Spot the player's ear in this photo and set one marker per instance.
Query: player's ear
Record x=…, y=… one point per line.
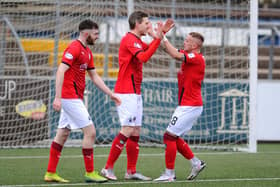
x=137, y=23
x=195, y=44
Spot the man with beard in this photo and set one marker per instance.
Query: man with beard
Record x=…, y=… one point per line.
x=70, y=86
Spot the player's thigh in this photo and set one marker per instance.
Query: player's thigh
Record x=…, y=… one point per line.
x=131, y=110
x=183, y=119
x=74, y=114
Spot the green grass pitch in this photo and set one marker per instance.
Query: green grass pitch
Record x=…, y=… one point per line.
x=26, y=167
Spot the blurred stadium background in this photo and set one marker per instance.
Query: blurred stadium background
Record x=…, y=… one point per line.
x=35, y=33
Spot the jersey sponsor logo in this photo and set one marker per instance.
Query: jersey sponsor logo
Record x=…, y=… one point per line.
x=83, y=67
x=137, y=45
x=191, y=55
x=68, y=56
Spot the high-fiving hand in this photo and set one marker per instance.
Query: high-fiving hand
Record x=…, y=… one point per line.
x=169, y=24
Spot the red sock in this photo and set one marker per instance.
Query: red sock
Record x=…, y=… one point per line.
x=116, y=149
x=132, y=151
x=184, y=149
x=170, y=150
x=88, y=159
x=55, y=152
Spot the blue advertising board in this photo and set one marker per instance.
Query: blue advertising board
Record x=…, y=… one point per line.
x=224, y=117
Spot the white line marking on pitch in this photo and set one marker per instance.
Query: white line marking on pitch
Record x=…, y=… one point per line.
x=144, y=182
x=72, y=156
x=122, y=155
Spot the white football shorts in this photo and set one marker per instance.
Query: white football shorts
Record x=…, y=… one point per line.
x=183, y=119
x=131, y=109
x=74, y=114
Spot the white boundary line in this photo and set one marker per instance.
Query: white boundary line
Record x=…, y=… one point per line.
x=74, y=156
x=144, y=182
x=9, y=157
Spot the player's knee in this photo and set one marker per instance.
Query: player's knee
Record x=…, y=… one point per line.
x=62, y=133
x=169, y=136
x=127, y=131
x=61, y=137
x=136, y=131
x=90, y=136
x=89, y=132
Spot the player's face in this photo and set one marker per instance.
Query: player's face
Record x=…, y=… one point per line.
x=143, y=27
x=189, y=44
x=92, y=36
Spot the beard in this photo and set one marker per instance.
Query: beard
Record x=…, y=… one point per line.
x=90, y=41
x=143, y=34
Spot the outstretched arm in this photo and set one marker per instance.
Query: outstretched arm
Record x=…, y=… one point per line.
x=171, y=50
x=160, y=31
x=144, y=56
x=96, y=79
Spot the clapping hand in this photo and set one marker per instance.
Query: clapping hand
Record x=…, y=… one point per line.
x=169, y=24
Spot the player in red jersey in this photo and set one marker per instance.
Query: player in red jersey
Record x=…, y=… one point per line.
x=133, y=52
x=70, y=86
x=190, y=103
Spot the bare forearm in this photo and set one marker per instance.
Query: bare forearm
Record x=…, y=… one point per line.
x=171, y=50
x=96, y=79
x=101, y=85
x=58, y=83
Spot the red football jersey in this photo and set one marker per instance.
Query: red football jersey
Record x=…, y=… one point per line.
x=190, y=78
x=80, y=59
x=130, y=68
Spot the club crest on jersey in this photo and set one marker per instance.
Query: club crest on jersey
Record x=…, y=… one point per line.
x=83, y=67
x=68, y=56
x=191, y=55
x=137, y=45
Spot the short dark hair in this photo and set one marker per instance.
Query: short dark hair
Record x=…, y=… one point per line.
x=87, y=24
x=136, y=16
x=197, y=35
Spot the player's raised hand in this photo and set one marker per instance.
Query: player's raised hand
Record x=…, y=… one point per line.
x=169, y=24
x=150, y=30
x=159, y=30
x=116, y=99
x=57, y=104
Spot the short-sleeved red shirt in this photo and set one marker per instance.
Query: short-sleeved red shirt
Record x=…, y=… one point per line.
x=130, y=68
x=190, y=78
x=80, y=59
